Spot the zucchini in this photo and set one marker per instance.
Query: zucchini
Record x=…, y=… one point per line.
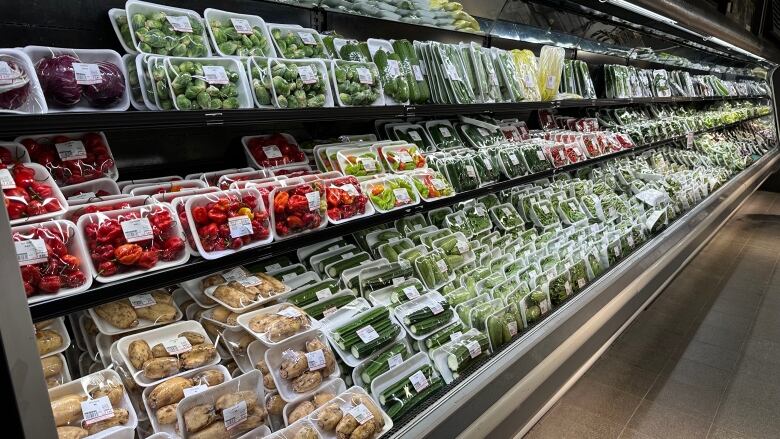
x=380, y=364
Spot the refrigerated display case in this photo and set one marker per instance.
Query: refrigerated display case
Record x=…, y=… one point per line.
x=438, y=214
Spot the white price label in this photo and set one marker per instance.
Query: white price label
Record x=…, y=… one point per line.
x=544, y=208
x=567, y=287
x=350, y=189
x=97, y=409
x=488, y=164
x=177, y=346
x=393, y=68
x=234, y=274
x=438, y=184
x=418, y=75
x=540, y=155
x=241, y=26
x=456, y=335
x=251, y=281
x=689, y=140
x=6, y=180
x=529, y=80
x=630, y=241
x=616, y=251
x=361, y=413
x=274, y=267
x=483, y=132
x=347, y=255
x=138, y=229
x=474, y=348
x=414, y=135
x=397, y=281
x=31, y=251
x=87, y=74
x=452, y=72
x=581, y=282
x=435, y=306
x=142, y=300
x=180, y=23
x=329, y=311
x=215, y=75
x=316, y=360
x=404, y=156
x=401, y=195
x=307, y=74
x=7, y=75
x=395, y=360
x=544, y=307
x=367, y=334
x=272, y=151
x=73, y=150
x=419, y=382
x=82, y=196
x=411, y=292
x=513, y=159
x=194, y=390
x=550, y=84
x=323, y=293
x=368, y=163
x=365, y=76
x=480, y=211
x=423, y=67
x=441, y=265
x=240, y=226
x=512, y=327
x=289, y=312
x=314, y=200
x=493, y=78
x=470, y=171
x=234, y=415
x=307, y=38
x=445, y=132
x=550, y=275
x=463, y=246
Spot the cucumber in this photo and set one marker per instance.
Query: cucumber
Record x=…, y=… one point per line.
x=317, y=310
x=334, y=270
x=443, y=336
x=308, y=295
x=423, y=313
x=431, y=323
x=380, y=365
x=460, y=357
x=372, y=315
x=362, y=350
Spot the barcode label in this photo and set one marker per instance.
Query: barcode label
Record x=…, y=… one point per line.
x=87, y=74
x=455, y=335
x=314, y=200
x=240, y=226
x=6, y=180
x=180, y=23
x=7, y=75
x=393, y=68
x=395, y=360
x=177, y=346
x=73, y=150
x=316, y=360
x=234, y=415
x=289, y=312
x=401, y=195
x=307, y=74
x=411, y=292
x=474, y=348
x=512, y=327
x=419, y=382
x=441, y=265
x=323, y=294
x=241, y=26
x=194, y=390
x=367, y=334
x=31, y=251
x=250, y=281
x=445, y=132
x=418, y=75
x=137, y=230
x=415, y=136
x=361, y=413
x=142, y=300
x=368, y=164
x=234, y=274
x=215, y=75
x=438, y=184
x=513, y=159
x=272, y=151
x=364, y=75
x=307, y=38
x=97, y=409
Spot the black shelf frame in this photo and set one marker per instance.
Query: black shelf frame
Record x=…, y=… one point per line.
x=198, y=267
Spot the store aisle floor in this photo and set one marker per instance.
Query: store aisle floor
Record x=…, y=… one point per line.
x=703, y=361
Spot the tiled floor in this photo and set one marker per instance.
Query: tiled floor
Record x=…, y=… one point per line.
x=703, y=361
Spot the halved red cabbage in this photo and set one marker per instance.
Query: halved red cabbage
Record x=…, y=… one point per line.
x=14, y=90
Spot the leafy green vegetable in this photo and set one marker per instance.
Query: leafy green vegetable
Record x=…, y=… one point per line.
x=393, y=81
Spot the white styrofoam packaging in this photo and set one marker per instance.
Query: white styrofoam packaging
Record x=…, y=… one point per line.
x=42, y=175
x=75, y=245
x=172, y=187
x=141, y=7
x=160, y=335
x=250, y=159
x=232, y=339
x=64, y=375
x=334, y=387
x=142, y=211
x=115, y=14
x=341, y=317
x=108, y=202
x=35, y=103
x=255, y=353
x=194, y=287
x=392, y=376
x=86, y=56
x=128, y=185
x=374, y=45
x=299, y=30
x=80, y=386
x=145, y=81
x=357, y=372
x=82, y=193
x=252, y=381
x=322, y=73
x=109, y=329
x=231, y=65
x=245, y=321
x=170, y=429
x=136, y=95
x=18, y=151
x=378, y=102
x=275, y=355
x=346, y=402
x=211, y=14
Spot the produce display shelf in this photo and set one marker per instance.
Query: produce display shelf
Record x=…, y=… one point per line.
x=197, y=267
x=15, y=125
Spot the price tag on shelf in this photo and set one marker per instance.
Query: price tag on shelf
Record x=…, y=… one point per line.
x=72, y=150
x=142, y=300
x=308, y=38
x=176, y=346
x=95, y=410
x=411, y=292
x=6, y=180
x=31, y=251
x=194, y=390
x=474, y=348
x=215, y=75
x=289, y=312
x=87, y=74
x=367, y=334
x=361, y=413
x=419, y=382
x=272, y=151
x=241, y=26
x=138, y=229
x=307, y=74
x=314, y=200
x=401, y=195
x=240, y=226
x=418, y=74
x=364, y=75
x=316, y=360
x=234, y=415
x=512, y=327
x=393, y=68
x=234, y=274
x=250, y=281
x=395, y=360
x=180, y=23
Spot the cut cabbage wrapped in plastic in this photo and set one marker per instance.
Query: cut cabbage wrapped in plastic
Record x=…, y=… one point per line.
x=550, y=68
x=19, y=89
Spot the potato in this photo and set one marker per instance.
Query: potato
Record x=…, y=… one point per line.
x=284, y=328
x=365, y=431
x=48, y=340
x=161, y=367
x=212, y=281
x=275, y=284
x=231, y=366
x=233, y=297
x=139, y=353
x=243, y=342
x=209, y=378
x=90, y=327
x=52, y=366
x=307, y=381
x=261, y=322
x=294, y=364
x=262, y=367
x=268, y=381
x=249, y=291
x=275, y=405
x=71, y=432
x=316, y=344
x=198, y=314
x=43, y=324
x=306, y=433
x=158, y=351
x=185, y=304
x=212, y=330
x=67, y=409
x=120, y=418
x=169, y=392
x=254, y=418
x=216, y=430
x=198, y=356
x=346, y=426
x=220, y=313
x=119, y=314
x=321, y=398
x=329, y=417
x=53, y=382
x=231, y=399
x=367, y=401
x=157, y=313
x=193, y=337
x=162, y=296
x=114, y=392
x=300, y=411
x=166, y=414
x=198, y=417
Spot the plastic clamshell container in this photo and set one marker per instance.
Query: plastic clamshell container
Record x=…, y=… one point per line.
x=172, y=187
x=36, y=53
x=255, y=21
x=333, y=386
x=321, y=210
x=392, y=376
x=378, y=102
x=58, y=325
x=345, y=402
x=75, y=246
x=108, y=329
x=252, y=381
x=250, y=158
x=140, y=7
x=203, y=199
x=160, y=335
x=100, y=216
x=42, y=176
x=35, y=102
x=170, y=428
x=260, y=63
x=245, y=99
x=82, y=193
x=322, y=73
x=18, y=151
x=274, y=356
x=414, y=197
x=245, y=319
x=406, y=308
x=78, y=386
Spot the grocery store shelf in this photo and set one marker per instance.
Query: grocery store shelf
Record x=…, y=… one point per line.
x=516, y=385
x=15, y=125
x=196, y=267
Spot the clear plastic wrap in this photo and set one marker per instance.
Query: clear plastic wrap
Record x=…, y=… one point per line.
x=295, y=42
x=164, y=30
x=550, y=68
x=391, y=193
x=20, y=91
x=30, y=193
x=270, y=151
x=298, y=209
x=299, y=83
x=394, y=83
x=235, y=34
x=346, y=200
x=207, y=83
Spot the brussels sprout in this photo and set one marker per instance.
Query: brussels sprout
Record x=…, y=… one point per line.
x=156, y=35
x=203, y=99
x=228, y=47
x=183, y=103
x=230, y=103
x=231, y=42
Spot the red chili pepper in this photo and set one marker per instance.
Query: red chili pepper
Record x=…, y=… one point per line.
x=107, y=268
x=294, y=222
x=298, y=204
x=50, y=284
x=334, y=197
x=70, y=261
x=74, y=279
x=148, y=259
x=128, y=254
x=31, y=274
x=280, y=202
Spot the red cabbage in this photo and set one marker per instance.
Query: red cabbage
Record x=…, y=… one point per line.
x=14, y=91
x=58, y=80
x=108, y=92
